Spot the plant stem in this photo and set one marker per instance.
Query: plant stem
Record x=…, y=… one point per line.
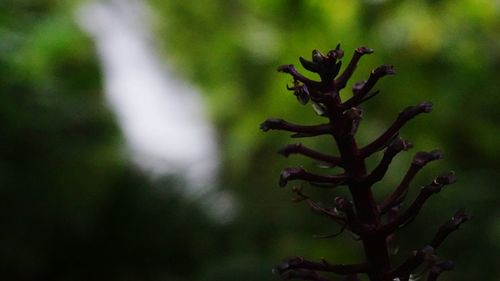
x=375, y=244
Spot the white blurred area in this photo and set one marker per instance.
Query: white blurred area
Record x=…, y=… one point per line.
x=162, y=118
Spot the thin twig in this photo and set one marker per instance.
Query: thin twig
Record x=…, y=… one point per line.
x=412, y=211
x=392, y=150
x=295, y=263
x=403, y=117
x=362, y=90
x=298, y=173
x=298, y=148
x=299, y=130
x=341, y=81
x=419, y=161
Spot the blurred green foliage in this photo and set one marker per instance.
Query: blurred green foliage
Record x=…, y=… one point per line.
x=73, y=208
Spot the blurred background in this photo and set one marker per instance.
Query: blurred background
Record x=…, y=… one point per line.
x=130, y=148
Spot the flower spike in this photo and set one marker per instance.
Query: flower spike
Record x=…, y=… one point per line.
x=375, y=224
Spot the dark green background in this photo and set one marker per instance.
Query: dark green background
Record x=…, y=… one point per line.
x=72, y=207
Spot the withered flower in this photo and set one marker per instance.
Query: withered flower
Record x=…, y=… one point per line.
x=375, y=223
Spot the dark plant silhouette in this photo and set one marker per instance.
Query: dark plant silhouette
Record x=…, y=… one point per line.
x=375, y=223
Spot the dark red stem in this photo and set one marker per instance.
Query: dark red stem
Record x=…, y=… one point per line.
x=375, y=245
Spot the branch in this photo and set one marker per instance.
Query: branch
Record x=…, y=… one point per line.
x=439, y=268
x=422, y=255
x=299, y=130
x=295, y=263
x=315, y=206
x=417, y=205
x=392, y=150
x=298, y=148
x=403, y=117
x=290, y=69
x=361, y=89
x=300, y=174
x=341, y=82
x=331, y=235
x=343, y=213
x=419, y=161
x=346, y=217
x=404, y=270
x=447, y=228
